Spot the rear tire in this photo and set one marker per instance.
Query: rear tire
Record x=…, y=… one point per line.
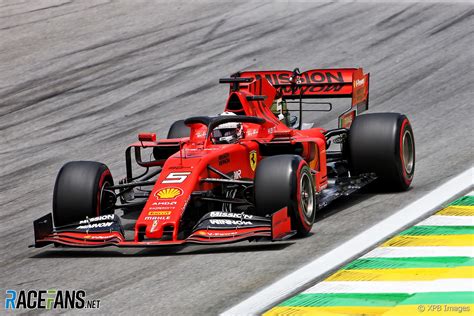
x=286, y=180
x=178, y=130
x=79, y=192
x=383, y=143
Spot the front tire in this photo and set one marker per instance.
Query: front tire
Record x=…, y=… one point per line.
x=79, y=192
x=383, y=143
x=286, y=180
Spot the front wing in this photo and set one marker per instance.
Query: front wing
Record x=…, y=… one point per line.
x=213, y=228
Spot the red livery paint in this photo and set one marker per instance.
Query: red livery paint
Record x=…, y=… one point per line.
x=196, y=190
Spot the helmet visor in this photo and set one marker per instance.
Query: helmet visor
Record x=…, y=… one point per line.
x=222, y=132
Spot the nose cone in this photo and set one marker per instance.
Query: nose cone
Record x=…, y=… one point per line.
x=161, y=215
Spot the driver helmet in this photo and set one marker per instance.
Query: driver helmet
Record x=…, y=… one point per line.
x=280, y=109
x=227, y=133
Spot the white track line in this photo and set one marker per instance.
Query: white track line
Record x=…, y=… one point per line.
x=435, y=251
x=441, y=285
x=442, y=220
x=296, y=280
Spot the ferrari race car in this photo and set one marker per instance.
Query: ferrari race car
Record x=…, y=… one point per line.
x=255, y=173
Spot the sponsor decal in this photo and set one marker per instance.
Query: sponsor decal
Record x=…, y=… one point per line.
x=108, y=217
x=237, y=174
x=224, y=159
x=359, y=96
x=281, y=221
x=200, y=134
x=95, y=225
x=346, y=119
x=359, y=82
x=166, y=203
x=188, y=153
x=176, y=167
x=154, y=226
x=305, y=78
x=169, y=193
x=231, y=215
x=176, y=177
x=161, y=208
x=163, y=205
x=252, y=132
x=48, y=299
x=157, y=218
x=99, y=236
x=159, y=213
x=253, y=159
x=302, y=90
x=229, y=222
x=217, y=234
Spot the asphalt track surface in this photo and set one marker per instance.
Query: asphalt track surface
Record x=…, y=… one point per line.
x=79, y=80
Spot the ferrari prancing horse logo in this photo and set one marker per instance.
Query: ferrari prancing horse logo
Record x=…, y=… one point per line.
x=253, y=159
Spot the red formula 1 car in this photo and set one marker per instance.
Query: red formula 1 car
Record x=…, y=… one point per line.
x=255, y=173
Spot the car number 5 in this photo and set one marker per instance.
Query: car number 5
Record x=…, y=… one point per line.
x=176, y=177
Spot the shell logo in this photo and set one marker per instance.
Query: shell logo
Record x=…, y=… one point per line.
x=168, y=193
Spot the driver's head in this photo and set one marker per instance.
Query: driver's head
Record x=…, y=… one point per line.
x=227, y=133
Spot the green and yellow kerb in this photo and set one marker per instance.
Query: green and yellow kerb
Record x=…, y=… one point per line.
x=428, y=269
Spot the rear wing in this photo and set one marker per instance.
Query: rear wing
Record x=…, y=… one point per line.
x=315, y=84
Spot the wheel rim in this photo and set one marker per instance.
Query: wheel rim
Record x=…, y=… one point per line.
x=307, y=196
x=407, y=147
x=105, y=199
